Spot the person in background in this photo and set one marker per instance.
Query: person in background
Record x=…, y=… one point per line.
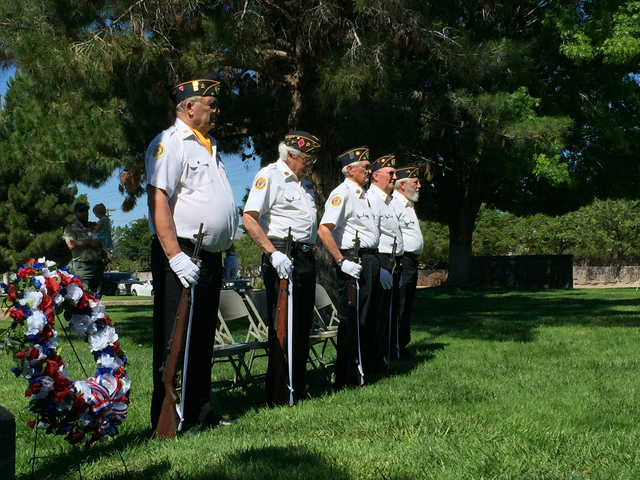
x=187, y=185
x=407, y=192
x=379, y=196
x=346, y=214
x=282, y=198
x=102, y=231
x=86, y=252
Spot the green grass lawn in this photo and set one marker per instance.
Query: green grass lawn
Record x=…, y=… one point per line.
x=508, y=385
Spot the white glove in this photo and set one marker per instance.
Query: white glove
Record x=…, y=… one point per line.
x=231, y=266
x=282, y=264
x=185, y=269
x=352, y=269
x=386, y=279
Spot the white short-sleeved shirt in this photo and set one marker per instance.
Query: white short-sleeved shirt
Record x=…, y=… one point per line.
x=385, y=217
x=283, y=201
x=197, y=185
x=409, y=224
x=348, y=210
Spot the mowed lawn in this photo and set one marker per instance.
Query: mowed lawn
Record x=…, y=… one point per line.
x=503, y=384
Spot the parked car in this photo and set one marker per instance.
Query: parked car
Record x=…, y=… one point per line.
x=142, y=289
x=118, y=283
x=239, y=285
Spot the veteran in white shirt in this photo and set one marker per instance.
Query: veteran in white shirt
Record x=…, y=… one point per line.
x=346, y=214
x=390, y=250
x=187, y=185
x=281, y=202
x=407, y=192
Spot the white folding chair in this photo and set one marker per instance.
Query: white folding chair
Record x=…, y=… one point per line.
x=256, y=301
x=234, y=317
x=323, y=333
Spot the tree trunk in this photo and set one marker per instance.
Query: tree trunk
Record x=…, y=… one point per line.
x=460, y=199
x=461, y=226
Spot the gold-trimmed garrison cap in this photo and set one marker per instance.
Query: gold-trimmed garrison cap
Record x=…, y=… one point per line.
x=209, y=86
x=407, y=172
x=358, y=154
x=301, y=141
x=388, y=160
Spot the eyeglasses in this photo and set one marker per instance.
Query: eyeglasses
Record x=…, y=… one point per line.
x=213, y=105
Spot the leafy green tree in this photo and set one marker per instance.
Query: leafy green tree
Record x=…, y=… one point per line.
x=35, y=203
x=609, y=233
x=514, y=104
x=436, y=245
x=249, y=258
x=132, y=246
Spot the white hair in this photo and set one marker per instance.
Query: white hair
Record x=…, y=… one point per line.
x=283, y=150
x=402, y=180
x=182, y=106
x=354, y=165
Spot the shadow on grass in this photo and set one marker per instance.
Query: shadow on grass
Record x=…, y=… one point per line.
x=66, y=464
x=272, y=463
x=500, y=315
x=269, y=463
x=422, y=352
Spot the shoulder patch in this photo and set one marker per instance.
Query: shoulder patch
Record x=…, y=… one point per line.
x=336, y=201
x=260, y=183
x=158, y=151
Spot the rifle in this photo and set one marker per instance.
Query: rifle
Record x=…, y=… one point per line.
x=391, y=266
x=281, y=385
x=170, y=415
x=353, y=300
x=352, y=294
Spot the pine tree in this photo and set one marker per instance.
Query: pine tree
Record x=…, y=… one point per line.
x=526, y=105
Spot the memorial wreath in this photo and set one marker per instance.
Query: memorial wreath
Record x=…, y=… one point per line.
x=81, y=410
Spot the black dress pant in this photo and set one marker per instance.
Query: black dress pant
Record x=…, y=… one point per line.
x=304, y=294
x=206, y=297
x=388, y=311
x=407, y=295
x=349, y=335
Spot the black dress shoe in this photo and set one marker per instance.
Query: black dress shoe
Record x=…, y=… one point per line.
x=405, y=354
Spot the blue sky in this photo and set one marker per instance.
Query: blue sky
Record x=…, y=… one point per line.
x=240, y=176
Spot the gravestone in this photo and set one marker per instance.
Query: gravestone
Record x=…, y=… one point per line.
x=7, y=444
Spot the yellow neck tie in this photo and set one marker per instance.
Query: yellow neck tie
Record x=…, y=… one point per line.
x=206, y=141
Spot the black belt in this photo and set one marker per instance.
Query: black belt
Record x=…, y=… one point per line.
x=350, y=252
x=411, y=256
x=281, y=243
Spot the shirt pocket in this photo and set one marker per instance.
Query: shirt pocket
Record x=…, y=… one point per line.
x=292, y=201
x=363, y=217
x=198, y=174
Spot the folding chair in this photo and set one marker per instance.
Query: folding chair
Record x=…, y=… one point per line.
x=256, y=300
x=324, y=331
x=226, y=349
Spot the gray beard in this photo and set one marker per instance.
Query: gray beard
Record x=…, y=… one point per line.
x=413, y=195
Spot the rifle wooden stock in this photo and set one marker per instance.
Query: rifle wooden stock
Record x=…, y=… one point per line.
x=280, y=384
x=169, y=418
x=352, y=294
x=281, y=380
x=391, y=264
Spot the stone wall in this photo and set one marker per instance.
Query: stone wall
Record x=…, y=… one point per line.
x=610, y=275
